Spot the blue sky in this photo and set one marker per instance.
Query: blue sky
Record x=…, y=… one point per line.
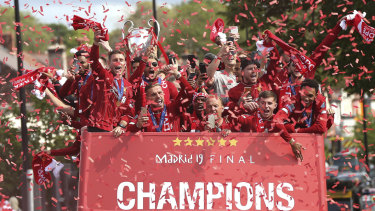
x=55, y=11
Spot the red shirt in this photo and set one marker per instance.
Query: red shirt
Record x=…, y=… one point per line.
x=308, y=120
x=169, y=89
x=193, y=123
x=82, y=88
x=236, y=92
x=171, y=121
x=107, y=109
x=225, y=125
x=255, y=123
x=173, y=113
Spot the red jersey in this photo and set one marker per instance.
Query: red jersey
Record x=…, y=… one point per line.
x=168, y=119
x=192, y=123
x=225, y=125
x=140, y=83
x=236, y=92
x=82, y=87
x=112, y=100
x=308, y=120
x=255, y=123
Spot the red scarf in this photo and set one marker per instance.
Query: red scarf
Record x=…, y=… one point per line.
x=81, y=23
x=366, y=31
x=302, y=62
x=32, y=76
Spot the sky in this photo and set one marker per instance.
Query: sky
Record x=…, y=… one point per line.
x=114, y=12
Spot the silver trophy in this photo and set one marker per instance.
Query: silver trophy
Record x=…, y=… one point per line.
x=138, y=39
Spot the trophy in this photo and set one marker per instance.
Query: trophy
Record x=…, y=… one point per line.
x=139, y=39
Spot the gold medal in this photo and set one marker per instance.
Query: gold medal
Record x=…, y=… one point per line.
x=118, y=103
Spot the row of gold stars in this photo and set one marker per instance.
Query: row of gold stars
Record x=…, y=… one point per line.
x=200, y=142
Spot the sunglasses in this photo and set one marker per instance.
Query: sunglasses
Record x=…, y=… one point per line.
x=153, y=64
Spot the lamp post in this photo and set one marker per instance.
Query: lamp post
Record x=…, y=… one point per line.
x=25, y=139
x=364, y=103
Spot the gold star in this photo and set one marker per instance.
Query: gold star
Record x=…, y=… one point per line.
x=222, y=142
x=210, y=143
x=233, y=142
x=199, y=142
x=188, y=142
x=177, y=142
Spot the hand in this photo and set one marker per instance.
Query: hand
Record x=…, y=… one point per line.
x=224, y=50
x=141, y=121
x=296, y=148
x=267, y=39
x=192, y=83
x=236, y=36
x=245, y=98
x=118, y=131
x=331, y=112
x=65, y=118
x=105, y=45
x=49, y=75
x=225, y=132
x=172, y=68
x=97, y=35
x=70, y=74
x=201, y=79
x=251, y=106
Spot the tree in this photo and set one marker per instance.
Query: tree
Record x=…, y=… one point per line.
x=359, y=135
x=305, y=23
x=70, y=37
x=35, y=36
x=45, y=132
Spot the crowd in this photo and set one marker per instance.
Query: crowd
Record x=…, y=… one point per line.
x=269, y=90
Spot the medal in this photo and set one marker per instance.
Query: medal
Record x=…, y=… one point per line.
x=120, y=91
x=123, y=99
x=118, y=103
x=162, y=118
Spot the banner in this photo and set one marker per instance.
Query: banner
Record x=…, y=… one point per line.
x=201, y=171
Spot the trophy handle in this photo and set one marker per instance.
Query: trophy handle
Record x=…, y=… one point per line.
x=157, y=26
x=129, y=30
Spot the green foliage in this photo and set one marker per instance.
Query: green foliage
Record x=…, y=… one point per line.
x=35, y=35
x=10, y=153
x=306, y=23
x=71, y=38
x=45, y=132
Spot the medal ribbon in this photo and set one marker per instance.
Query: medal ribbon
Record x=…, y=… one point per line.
x=292, y=87
x=82, y=84
x=308, y=121
x=84, y=81
x=162, y=118
x=120, y=91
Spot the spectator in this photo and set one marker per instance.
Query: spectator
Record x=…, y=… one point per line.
x=216, y=122
x=222, y=79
